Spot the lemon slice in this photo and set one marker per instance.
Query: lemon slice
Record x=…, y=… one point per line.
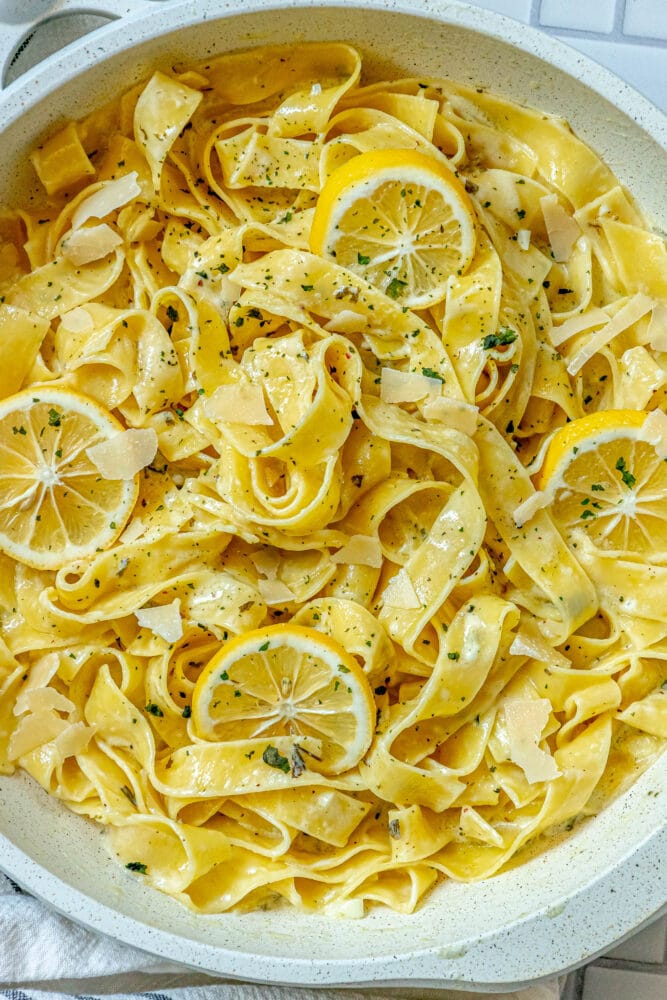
x=54, y=504
x=283, y=680
x=400, y=219
x=605, y=477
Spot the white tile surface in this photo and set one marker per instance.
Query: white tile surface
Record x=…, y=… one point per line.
x=643, y=66
x=583, y=15
x=518, y=9
x=650, y=945
x=647, y=18
x=621, y=984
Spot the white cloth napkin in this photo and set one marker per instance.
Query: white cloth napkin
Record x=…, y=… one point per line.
x=44, y=956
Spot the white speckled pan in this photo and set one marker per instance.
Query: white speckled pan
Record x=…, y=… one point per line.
x=555, y=911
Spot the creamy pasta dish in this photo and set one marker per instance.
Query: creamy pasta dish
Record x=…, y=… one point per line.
x=333, y=482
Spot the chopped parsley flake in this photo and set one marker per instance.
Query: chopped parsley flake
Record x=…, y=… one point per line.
x=626, y=475
x=505, y=336
x=137, y=866
x=274, y=758
x=395, y=288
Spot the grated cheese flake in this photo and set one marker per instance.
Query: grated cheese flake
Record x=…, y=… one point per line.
x=73, y=740
x=126, y=454
x=400, y=592
x=577, y=324
x=42, y=699
x=360, y=550
x=77, y=320
x=562, y=230
x=657, y=328
x=407, y=387
x=530, y=642
x=523, y=238
x=456, y=413
x=526, y=719
x=347, y=321
x=241, y=403
x=627, y=315
x=536, y=501
x=275, y=592
x=473, y=825
x=110, y=196
x=83, y=246
x=163, y=620
x=654, y=429
x=266, y=561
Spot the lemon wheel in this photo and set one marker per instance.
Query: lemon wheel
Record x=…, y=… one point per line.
x=399, y=218
x=606, y=478
x=54, y=504
x=287, y=680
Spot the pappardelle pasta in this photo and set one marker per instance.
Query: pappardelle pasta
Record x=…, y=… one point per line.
x=333, y=482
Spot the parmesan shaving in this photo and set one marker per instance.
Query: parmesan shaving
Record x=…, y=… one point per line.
x=110, y=196
x=562, y=230
x=77, y=320
x=400, y=592
x=35, y=730
x=523, y=238
x=529, y=642
x=536, y=501
x=347, y=321
x=83, y=246
x=526, y=720
x=456, y=413
x=163, y=620
x=266, y=561
x=41, y=699
x=633, y=310
x=407, y=387
x=124, y=455
x=654, y=429
x=241, y=403
x=275, y=592
x=657, y=328
x=73, y=740
x=361, y=550
x=577, y=324
x=477, y=828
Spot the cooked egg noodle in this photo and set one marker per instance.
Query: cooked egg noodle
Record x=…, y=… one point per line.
x=460, y=619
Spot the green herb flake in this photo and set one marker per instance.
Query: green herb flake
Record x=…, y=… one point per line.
x=363, y=259
x=154, y=709
x=55, y=418
x=137, y=866
x=500, y=339
x=129, y=794
x=274, y=758
x=626, y=475
x=395, y=288
x=432, y=373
